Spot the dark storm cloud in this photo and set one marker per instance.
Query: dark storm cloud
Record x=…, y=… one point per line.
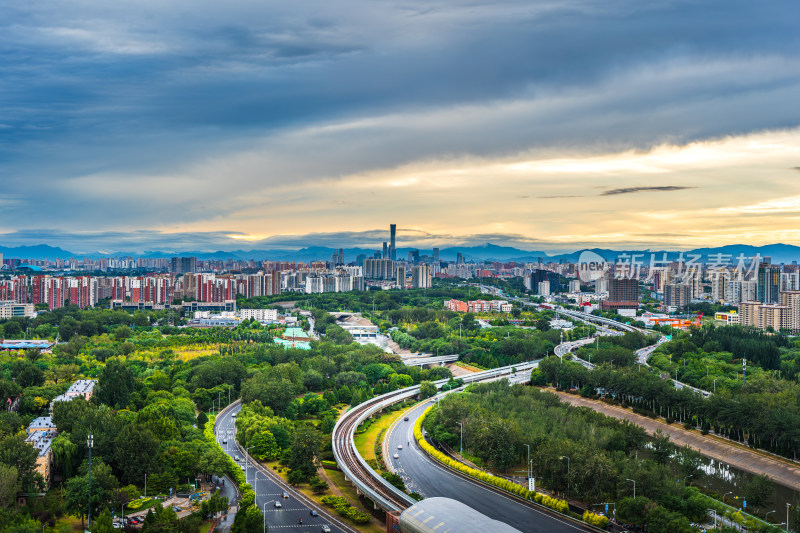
x=631, y=190
x=103, y=103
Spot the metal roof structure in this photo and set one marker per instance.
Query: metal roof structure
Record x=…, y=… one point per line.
x=443, y=515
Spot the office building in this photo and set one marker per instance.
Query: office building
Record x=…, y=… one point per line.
x=393, y=243
x=574, y=285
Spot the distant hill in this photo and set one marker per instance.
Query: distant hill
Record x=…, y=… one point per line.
x=38, y=252
x=780, y=253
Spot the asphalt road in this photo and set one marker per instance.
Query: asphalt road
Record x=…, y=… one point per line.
x=287, y=517
x=427, y=477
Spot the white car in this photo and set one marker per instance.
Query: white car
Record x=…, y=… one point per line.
x=278, y=504
x=397, y=456
x=399, y=446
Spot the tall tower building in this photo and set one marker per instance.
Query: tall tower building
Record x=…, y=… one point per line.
x=392, y=243
x=435, y=255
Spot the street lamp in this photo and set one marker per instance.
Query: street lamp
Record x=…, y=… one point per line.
x=567, y=458
x=265, y=516
x=145, y=485
x=461, y=444
x=255, y=474
x=787, y=516
x=766, y=516
x=90, y=445
x=723, y=496
x=634, y=486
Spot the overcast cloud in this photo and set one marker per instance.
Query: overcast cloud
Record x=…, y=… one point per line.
x=202, y=125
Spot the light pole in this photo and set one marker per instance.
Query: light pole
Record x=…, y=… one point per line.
x=265, y=516
x=634, y=486
x=461, y=442
x=90, y=444
x=567, y=458
x=145, y=485
x=766, y=516
x=255, y=472
x=723, y=496
x=787, y=516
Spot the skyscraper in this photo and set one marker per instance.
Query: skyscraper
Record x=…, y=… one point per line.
x=392, y=245
x=435, y=255
x=386, y=250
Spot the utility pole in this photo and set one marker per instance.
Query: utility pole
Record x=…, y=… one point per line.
x=461, y=443
x=90, y=444
x=744, y=369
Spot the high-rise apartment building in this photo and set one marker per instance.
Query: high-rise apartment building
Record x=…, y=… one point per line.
x=623, y=293
x=677, y=295
x=379, y=269
x=769, y=283
x=421, y=277
x=401, y=277
x=183, y=265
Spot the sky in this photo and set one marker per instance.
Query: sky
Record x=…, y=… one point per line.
x=545, y=125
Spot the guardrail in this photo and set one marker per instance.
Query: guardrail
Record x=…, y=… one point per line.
x=367, y=409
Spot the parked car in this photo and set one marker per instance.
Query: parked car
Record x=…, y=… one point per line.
x=177, y=509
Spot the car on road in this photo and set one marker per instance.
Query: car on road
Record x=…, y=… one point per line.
x=406, y=419
x=224, y=441
x=326, y=528
x=177, y=509
x=314, y=513
x=278, y=504
x=399, y=446
x=233, y=415
x=237, y=459
x=397, y=456
x=285, y=494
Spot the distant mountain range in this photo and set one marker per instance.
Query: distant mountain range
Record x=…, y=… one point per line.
x=780, y=253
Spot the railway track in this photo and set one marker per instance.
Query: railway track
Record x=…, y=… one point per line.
x=343, y=442
x=355, y=468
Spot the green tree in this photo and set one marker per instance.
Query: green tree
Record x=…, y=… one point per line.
x=249, y=520
x=427, y=389
x=103, y=523
x=662, y=447
x=135, y=450
x=303, y=451
x=15, y=452
x=115, y=385
x=758, y=491
x=9, y=485
x=265, y=447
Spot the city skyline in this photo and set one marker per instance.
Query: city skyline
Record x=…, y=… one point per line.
x=554, y=126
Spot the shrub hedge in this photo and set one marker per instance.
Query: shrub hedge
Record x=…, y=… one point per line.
x=518, y=490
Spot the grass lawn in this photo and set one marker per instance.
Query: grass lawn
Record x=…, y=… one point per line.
x=367, y=441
